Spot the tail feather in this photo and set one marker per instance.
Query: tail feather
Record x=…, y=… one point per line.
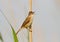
x=18, y=31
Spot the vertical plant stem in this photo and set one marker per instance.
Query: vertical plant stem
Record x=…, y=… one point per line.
x=30, y=5
x=30, y=9
x=30, y=36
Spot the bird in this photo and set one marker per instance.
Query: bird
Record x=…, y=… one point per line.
x=28, y=22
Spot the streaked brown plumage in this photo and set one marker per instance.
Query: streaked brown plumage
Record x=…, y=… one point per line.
x=28, y=22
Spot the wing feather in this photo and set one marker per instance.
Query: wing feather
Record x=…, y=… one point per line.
x=27, y=20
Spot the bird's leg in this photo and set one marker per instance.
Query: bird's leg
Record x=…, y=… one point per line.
x=28, y=29
x=30, y=26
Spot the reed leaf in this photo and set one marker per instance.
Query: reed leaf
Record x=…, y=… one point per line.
x=14, y=35
x=1, y=37
x=13, y=31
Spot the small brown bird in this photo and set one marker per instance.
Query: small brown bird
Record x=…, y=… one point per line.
x=28, y=22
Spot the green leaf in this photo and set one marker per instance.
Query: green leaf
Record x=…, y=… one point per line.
x=14, y=35
x=1, y=38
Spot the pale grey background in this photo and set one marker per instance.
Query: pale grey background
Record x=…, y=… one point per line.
x=46, y=25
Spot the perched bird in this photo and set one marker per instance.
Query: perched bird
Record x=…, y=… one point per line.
x=28, y=22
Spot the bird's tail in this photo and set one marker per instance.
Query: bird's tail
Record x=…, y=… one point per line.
x=23, y=28
x=18, y=31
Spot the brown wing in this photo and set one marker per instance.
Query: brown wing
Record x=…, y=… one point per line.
x=27, y=20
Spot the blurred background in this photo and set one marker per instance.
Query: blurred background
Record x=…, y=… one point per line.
x=46, y=23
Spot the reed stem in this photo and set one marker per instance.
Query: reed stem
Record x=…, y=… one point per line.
x=30, y=36
x=30, y=5
x=30, y=9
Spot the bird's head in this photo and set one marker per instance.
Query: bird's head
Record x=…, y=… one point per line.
x=31, y=13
